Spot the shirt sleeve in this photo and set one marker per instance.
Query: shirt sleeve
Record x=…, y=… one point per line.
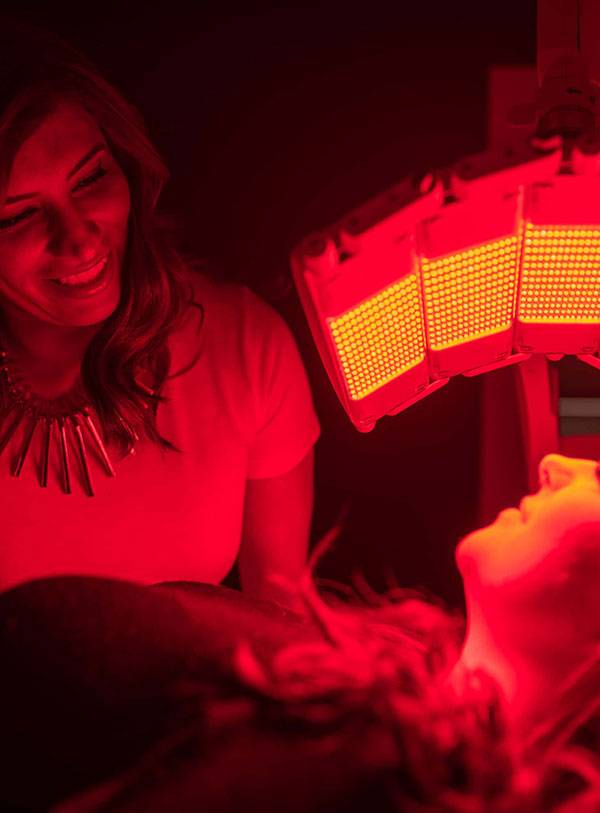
x=285, y=422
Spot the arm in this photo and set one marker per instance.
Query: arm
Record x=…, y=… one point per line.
x=275, y=536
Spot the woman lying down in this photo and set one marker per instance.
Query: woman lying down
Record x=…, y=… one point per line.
x=194, y=698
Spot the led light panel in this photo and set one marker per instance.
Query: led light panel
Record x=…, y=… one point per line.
x=381, y=338
x=470, y=294
x=560, y=281
x=479, y=268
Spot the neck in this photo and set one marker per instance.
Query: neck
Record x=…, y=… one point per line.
x=528, y=688
x=48, y=355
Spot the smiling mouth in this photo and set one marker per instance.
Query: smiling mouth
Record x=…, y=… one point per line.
x=83, y=277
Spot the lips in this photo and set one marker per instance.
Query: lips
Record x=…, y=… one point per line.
x=83, y=282
x=525, y=508
x=82, y=275
x=510, y=514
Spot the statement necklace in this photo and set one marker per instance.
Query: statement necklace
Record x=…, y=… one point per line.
x=63, y=423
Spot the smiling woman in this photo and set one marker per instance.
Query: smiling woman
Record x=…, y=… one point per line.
x=61, y=213
x=114, y=347
x=65, y=241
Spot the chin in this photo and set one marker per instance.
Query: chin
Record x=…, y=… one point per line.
x=477, y=555
x=92, y=317
x=465, y=555
x=85, y=311
x=97, y=315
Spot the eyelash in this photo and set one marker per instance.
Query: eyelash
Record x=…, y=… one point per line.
x=89, y=180
x=95, y=176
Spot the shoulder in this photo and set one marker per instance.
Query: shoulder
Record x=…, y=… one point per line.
x=235, y=308
x=229, y=323
x=226, y=295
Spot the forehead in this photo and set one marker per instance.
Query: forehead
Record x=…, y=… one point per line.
x=56, y=144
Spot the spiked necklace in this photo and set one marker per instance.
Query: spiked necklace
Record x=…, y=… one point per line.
x=62, y=423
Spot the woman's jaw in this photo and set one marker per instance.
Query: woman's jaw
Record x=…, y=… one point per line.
x=530, y=580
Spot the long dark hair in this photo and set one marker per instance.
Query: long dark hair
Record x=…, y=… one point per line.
x=37, y=71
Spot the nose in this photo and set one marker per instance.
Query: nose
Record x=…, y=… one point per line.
x=74, y=238
x=558, y=471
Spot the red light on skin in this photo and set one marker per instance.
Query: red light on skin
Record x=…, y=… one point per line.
x=63, y=232
x=530, y=582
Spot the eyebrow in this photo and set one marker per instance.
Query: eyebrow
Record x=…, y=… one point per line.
x=79, y=165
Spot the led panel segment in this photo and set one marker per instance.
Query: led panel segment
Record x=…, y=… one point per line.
x=371, y=339
x=469, y=260
x=360, y=286
x=558, y=309
x=470, y=294
x=381, y=338
x=560, y=280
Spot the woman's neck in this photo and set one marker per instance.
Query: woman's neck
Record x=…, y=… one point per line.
x=529, y=688
x=48, y=356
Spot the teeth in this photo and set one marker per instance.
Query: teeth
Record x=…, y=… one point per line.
x=85, y=276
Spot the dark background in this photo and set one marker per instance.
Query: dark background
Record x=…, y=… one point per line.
x=275, y=121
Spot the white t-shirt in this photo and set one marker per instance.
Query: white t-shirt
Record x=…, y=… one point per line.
x=243, y=411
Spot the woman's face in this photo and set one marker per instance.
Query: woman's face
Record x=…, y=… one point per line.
x=532, y=575
x=551, y=526
x=531, y=587
x=63, y=224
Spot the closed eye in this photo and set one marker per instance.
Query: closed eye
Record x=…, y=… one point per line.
x=9, y=222
x=89, y=180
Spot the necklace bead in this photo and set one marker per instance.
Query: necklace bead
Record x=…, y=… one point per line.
x=62, y=423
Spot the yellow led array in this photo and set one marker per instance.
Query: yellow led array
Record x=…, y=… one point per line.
x=381, y=338
x=560, y=279
x=470, y=294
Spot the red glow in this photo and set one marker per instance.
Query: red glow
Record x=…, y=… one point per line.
x=381, y=338
x=470, y=294
x=559, y=282
x=503, y=265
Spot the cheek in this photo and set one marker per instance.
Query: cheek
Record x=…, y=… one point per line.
x=21, y=258
x=510, y=550
x=110, y=211
x=120, y=206
x=565, y=528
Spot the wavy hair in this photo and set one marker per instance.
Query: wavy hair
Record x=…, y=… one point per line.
x=37, y=71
